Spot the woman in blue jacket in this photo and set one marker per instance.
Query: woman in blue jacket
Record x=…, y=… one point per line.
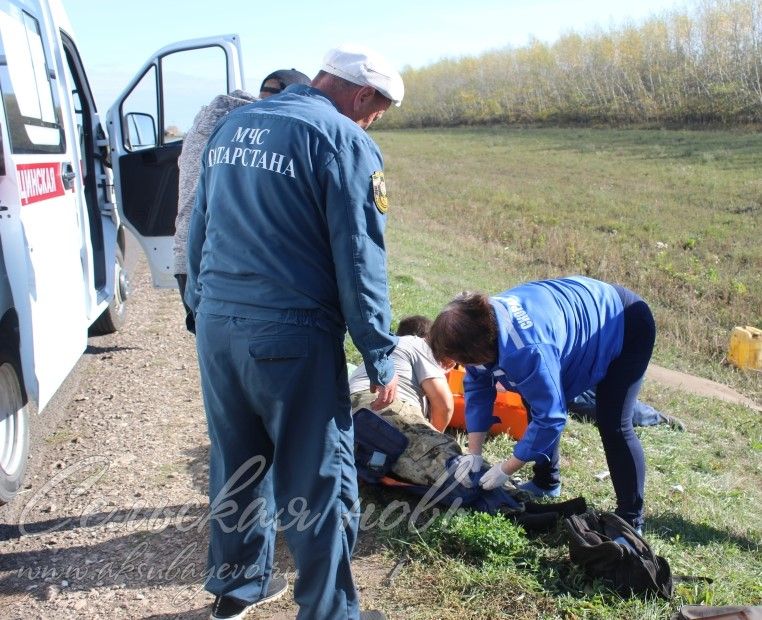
x=550, y=341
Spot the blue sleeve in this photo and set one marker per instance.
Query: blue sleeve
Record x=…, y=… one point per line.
x=479, y=392
x=536, y=372
x=356, y=229
x=196, y=237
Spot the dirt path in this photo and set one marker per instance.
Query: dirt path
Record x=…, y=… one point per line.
x=699, y=386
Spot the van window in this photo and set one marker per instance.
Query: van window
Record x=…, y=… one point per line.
x=31, y=101
x=140, y=113
x=189, y=79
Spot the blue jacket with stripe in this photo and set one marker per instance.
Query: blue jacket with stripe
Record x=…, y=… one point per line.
x=556, y=339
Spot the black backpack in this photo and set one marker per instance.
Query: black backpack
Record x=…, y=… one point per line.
x=636, y=569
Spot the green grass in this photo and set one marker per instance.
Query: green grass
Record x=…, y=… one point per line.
x=674, y=215
x=480, y=567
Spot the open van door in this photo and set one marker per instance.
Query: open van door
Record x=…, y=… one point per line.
x=146, y=126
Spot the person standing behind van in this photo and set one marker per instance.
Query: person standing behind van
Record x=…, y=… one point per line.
x=190, y=159
x=189, y=163
x=277, y=81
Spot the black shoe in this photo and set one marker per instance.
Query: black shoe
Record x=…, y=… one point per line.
x=674, y=423
x=230, y=608
x=372, y=614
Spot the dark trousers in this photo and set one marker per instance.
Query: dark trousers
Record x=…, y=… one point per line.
x=182, y=281
x=277, y=405
x=616, y=395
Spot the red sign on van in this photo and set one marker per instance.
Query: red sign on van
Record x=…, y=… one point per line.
x=39, y=182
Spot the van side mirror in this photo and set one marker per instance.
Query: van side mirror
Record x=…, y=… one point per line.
x=141, y=130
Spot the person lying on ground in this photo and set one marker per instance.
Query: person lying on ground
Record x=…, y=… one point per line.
x=422, y=387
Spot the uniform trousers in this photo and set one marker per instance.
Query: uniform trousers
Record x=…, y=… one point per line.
x=277, y=404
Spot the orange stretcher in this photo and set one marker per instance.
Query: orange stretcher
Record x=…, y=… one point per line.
x=508, y=408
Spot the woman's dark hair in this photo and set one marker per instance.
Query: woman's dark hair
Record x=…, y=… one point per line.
x=465, y=331
x=415, y=325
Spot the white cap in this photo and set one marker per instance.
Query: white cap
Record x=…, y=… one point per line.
x=363, y=66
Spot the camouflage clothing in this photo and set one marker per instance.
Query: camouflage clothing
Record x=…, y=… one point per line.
x=428, y=450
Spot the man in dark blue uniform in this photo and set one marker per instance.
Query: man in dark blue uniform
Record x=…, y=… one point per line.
x=285, y=251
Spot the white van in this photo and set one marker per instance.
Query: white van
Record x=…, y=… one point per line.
x=62, y=174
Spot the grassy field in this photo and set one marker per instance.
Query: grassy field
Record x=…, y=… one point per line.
x=674, y=215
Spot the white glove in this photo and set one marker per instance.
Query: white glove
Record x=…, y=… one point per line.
x=463, y=466
x=494, y=477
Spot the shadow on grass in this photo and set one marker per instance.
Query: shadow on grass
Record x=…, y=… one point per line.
x=158, y=517
x=125, y=549
x=669, y=524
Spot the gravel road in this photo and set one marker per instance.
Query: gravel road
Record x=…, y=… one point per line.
x=111, y=523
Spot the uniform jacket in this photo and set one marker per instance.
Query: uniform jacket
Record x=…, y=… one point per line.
x=288, y=224
x=556, y=339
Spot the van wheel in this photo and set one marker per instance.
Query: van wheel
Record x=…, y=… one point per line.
x=14, y=431
x=113, y=317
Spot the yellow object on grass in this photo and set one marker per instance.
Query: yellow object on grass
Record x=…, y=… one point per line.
x=745, y=350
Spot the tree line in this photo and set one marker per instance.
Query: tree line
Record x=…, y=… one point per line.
x=702, y=65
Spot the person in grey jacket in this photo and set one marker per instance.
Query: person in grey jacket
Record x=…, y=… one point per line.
x=189, y=164
x=190, y=159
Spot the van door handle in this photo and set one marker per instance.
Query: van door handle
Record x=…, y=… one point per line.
x=68, y=175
